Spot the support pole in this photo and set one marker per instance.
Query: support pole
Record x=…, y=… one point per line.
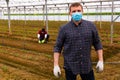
x=111, y=36
x=87, y=13
x=97, y=13
x=46, y=16
x=54, y=14
x=100, y=14
x=7, y=1
x=25, y=14
x=68, y=12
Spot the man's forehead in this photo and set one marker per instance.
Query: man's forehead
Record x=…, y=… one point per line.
x=76, y=7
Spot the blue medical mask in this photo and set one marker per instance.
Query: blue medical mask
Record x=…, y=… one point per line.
x=77, y=16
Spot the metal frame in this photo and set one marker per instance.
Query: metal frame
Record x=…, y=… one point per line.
x=51, y=4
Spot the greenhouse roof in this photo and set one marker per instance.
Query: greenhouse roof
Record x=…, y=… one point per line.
x=86, y=3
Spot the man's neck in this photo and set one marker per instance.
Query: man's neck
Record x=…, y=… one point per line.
x=77, y=23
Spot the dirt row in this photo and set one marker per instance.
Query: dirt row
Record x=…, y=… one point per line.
x=26, y=65
x=21, y=64
x=27, y=44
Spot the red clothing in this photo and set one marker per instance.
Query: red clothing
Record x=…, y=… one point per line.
x=42, y=33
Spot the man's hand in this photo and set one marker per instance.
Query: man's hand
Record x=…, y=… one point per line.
x=38, y=35
x=57, y=71
x=100, y=66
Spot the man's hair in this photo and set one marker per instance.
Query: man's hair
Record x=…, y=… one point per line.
x=43, y=29
x=75, y=5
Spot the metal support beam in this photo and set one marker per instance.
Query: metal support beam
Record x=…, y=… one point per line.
x=96, y=1
x=25, y=14
x=68, y=12
x=8, y=8
x=111, y=34
x=100, y=14
x=97, y=13
x=87, y=13
x=116, y=18
x=46, y=16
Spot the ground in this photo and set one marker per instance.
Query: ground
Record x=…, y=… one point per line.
x=23, y=58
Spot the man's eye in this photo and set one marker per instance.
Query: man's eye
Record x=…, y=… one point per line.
x=79, y=10
x=73, y=11
x=76, y=11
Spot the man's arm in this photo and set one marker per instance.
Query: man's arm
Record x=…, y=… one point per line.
x=100, y=54
x=100, y=65
x=99, y=49
x=57, y=51
x=56, y=58
x=56, y=70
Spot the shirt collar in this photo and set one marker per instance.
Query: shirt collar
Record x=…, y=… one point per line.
x=75, y=24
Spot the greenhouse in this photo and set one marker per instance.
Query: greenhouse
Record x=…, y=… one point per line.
x=23, y=57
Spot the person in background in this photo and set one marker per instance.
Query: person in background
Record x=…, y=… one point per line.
x=42, y=36
x=76, y=39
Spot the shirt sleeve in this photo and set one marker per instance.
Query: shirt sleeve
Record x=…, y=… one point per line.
x=45, y=32
x=96, y=39
x=60, y=41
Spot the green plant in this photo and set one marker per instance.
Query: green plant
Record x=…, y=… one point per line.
x=4, y=68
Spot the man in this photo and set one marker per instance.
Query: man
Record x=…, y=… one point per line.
x=77, y=37
x=42, y=36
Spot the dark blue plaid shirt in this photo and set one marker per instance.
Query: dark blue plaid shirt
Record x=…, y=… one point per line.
x=77, y=42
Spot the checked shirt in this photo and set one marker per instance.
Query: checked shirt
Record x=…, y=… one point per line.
x=76, y=43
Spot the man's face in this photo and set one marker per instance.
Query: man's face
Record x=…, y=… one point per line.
x=76, y=9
